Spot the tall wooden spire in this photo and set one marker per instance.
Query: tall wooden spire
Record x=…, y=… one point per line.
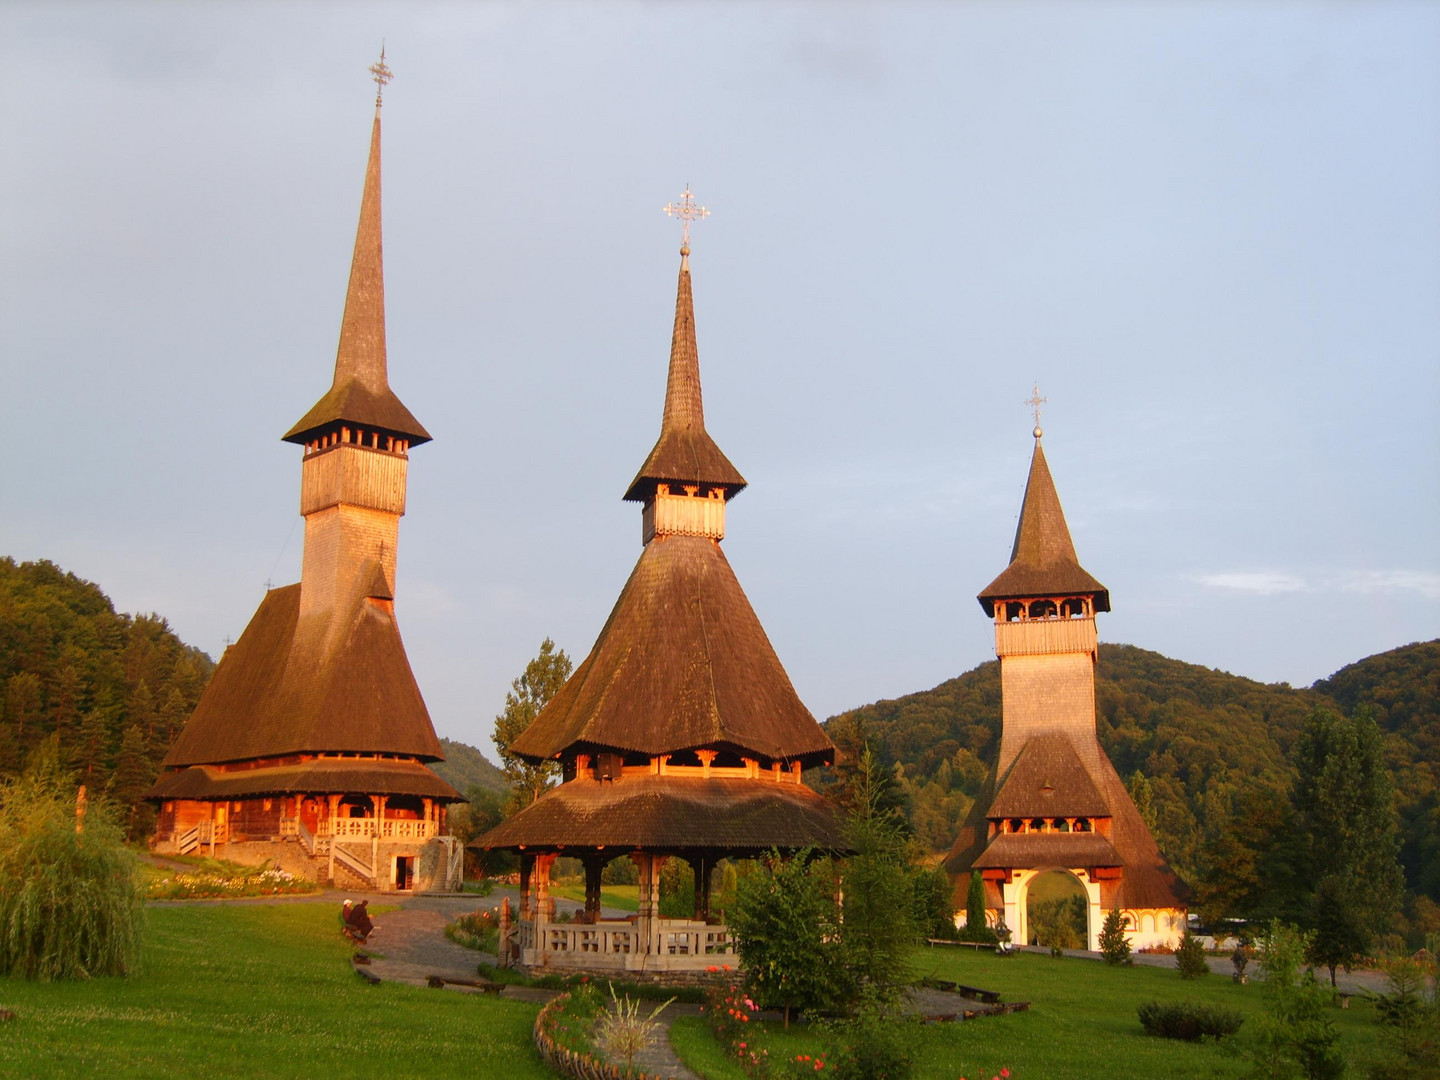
x=1043, y=560
x=361, y=391
x=685, y=453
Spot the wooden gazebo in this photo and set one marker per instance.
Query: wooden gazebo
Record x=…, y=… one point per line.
x=680, y=734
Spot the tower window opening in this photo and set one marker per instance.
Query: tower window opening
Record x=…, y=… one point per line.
x=1014, y=612
x=1083, y=825
x=1062, y=825
x=1037, y=824
x=1074, y=608
x=1042, y=609
x=1017, y=825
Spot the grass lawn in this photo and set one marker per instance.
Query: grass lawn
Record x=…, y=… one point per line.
x=624, y=897
x=1081, y=1025
x=262, y=990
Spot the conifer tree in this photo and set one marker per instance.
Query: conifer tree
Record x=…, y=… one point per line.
x=1114, y=945
x=1347, y=835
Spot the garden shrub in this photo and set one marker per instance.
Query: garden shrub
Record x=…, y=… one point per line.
x=874, y=1044
x=476, y=930
x=1189, y=1020
x=69, y=900
x=1190, y=957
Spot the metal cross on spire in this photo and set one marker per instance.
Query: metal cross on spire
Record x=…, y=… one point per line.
x=1035, y=401
x=381, y=73
x=686, y=211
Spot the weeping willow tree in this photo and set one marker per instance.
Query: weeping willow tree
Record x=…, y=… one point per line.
x=69, y=897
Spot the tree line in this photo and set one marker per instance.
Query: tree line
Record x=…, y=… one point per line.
x=112, y=690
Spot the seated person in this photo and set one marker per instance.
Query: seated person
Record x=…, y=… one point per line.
x=357, y=922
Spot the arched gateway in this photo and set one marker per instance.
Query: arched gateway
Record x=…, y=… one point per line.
x=679, y=735
x=1054, y=799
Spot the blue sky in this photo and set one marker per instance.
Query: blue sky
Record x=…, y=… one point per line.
x=1210, y=232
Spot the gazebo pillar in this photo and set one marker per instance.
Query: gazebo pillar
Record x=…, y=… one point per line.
x=703, y=865
x=527, y=866
x=543, y=904
x=594, y=865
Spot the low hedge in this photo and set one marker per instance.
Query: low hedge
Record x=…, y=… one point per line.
x=1189, y=1020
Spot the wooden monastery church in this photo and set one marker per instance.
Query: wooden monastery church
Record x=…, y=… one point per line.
x=680, y=735
x=310, y=745
x=1053, y=800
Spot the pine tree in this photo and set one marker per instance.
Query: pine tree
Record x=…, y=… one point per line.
x=133, y=775
x=1347, y=835
x=1114, y=945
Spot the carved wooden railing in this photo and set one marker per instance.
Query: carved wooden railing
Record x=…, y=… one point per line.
x=188, y=841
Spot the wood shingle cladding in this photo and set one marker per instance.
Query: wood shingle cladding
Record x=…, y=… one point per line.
x=332, y=682
x=679, y=735
x=319, y=776
x=685, y=453
x=1048, y=779
x=682, y=663
x=312, y=734
x=361, y=393
x=1043, y=561
x=1053, y=799
x=732, y=816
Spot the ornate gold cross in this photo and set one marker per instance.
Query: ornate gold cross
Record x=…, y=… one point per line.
x=1035, y=401
x=686, y=211
x=381, y=73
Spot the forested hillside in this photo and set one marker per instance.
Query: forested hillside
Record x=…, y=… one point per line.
x=1206, y=753
x=114, y=689
x=466, y=767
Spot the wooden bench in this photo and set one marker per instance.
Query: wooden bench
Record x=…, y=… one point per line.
x=932, y=942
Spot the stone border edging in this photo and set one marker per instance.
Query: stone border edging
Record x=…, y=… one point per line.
x=568, y=1062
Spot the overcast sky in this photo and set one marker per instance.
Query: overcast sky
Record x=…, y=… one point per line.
x=1211, y=232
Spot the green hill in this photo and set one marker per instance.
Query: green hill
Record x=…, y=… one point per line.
x=465, y=767
x=114, y=689
x=1212, y=749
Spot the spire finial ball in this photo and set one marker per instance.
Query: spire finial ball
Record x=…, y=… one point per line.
x=1038, y=432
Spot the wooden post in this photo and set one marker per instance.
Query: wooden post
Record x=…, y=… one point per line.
x=503, y=949
x=527, y=865
x=81, y=804
x=593, y=868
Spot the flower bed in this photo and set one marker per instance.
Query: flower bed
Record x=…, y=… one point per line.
x=479, y=930
x=562, y=1035
x=223, y=882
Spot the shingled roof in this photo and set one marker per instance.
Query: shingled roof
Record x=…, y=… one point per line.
x=1048, y=779
x=361, y=391
x=337, y=681
x=317, y=777
x=1043, y=561
x=685, y=453
x=672, y=812
x=1147, y=880
x=681, y=663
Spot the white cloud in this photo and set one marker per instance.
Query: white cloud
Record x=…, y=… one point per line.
x=1424, y=582
x=1260, y=582
x=1366, y=582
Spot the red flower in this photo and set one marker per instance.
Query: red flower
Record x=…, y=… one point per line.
x=1005, y=1073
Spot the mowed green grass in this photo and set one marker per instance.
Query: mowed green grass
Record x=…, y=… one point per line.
x=622, y=897
x=1081, y=1025
x=257, y=990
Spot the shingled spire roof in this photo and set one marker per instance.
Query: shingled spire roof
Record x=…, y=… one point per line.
x=685, y=453
x=361, y=391
x=1043, y=560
